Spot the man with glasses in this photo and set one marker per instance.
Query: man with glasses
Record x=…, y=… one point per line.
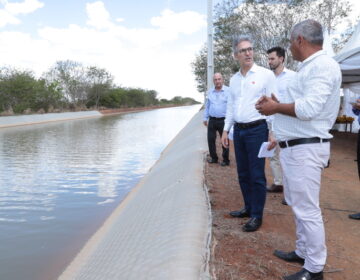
x=250, y=130
x=302, y=121
x=214, y=116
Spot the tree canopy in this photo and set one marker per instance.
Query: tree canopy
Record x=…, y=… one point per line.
x=68, y=85
x=268, y=23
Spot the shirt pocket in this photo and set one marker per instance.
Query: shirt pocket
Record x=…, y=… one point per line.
x=256, y=86
x=224, y=99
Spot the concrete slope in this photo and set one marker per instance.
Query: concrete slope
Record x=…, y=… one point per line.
x=44, y=118
x=162, y=229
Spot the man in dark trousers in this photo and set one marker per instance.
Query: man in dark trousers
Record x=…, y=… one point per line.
x=356, y=110
x=214, y=116
x=250, y=130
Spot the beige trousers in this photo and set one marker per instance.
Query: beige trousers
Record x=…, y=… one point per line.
x=302, y=167
x=276, y=167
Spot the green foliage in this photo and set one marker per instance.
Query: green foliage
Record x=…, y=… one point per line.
x=20, y=91
x=129, y=97
x=268, y=23
x=178, y=100
x=99, y=82
x=69, y=85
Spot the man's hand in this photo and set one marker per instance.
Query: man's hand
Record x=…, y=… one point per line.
x=205, y=123
x=225, y=139
x=272, y=142
x=267, y=106
x=357, y=104
x=273, y=97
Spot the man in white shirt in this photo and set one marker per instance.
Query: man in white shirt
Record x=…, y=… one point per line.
x=214, y=116
x=302, y=122
x=276, y=60
x=250, y=130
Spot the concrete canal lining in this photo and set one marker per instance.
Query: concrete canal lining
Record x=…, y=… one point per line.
x=162, y=229
x=8, y=121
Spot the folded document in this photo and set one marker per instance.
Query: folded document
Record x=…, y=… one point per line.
x=264, y=152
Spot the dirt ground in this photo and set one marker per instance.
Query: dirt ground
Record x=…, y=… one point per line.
x=249, y=256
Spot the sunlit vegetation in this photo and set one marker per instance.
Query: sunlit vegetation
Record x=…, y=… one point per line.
x=69, y=86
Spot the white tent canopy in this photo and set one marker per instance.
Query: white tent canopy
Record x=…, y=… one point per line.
x=327, y=44
x=349, y=59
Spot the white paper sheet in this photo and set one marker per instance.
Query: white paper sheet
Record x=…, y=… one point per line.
x=264, y=152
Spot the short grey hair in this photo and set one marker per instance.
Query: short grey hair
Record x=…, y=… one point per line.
x=238, y=39
x=310, y=29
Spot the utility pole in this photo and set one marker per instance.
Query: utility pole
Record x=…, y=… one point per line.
x=210, y=51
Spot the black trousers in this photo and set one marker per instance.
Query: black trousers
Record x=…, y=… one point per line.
x=216, y=125
x=358, y=153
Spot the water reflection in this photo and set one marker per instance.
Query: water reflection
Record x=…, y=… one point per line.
x=59, y=181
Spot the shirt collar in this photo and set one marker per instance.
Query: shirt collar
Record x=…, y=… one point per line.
x=221, y=90
x=285, y=70
x=254, y=68
x=312, y=57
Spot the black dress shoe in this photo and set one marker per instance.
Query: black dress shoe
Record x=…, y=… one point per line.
x=212, y=161
x=225, y=163
x=283, y=202
x=252, y=225
x=289, y=256
x=243, y=213
x=275, y=188
x=304, y=274
x=355, y=216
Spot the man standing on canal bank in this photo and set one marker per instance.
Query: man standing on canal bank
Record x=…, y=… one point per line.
x=214, y=116
x=301, y=125
x=276, y=60
x=356, y=110
x=250, y=130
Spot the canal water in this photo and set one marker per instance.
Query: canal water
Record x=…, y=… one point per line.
x=60, y=181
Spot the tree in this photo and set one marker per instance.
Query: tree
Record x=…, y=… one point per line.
x=48, y=95
x=268, y=23
x=99, y=83
x=340, y=42
x=71, y=78
x=20, y=91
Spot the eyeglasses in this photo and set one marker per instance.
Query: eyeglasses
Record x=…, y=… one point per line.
x=249, y=49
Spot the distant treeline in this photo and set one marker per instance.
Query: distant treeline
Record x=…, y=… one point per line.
x=71, y=86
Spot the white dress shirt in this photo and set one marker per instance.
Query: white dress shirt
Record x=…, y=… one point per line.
x=216, y=103
x=315, y=90
x=245, y=91
x=282, y=81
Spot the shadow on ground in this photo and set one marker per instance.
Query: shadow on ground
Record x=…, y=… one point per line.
x=249, y=256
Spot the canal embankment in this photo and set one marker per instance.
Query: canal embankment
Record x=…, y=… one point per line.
x=162, y=228
x=8, y=121
x=19, y=120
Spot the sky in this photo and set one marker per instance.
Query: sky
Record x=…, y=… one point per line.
x=142, y=43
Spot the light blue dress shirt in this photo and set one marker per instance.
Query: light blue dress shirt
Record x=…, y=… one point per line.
x=216, y=103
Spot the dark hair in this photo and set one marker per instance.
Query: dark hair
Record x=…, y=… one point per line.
x=280, y=52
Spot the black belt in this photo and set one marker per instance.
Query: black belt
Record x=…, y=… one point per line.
x=294, y=142
x=217, y=119
x=250, y=124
